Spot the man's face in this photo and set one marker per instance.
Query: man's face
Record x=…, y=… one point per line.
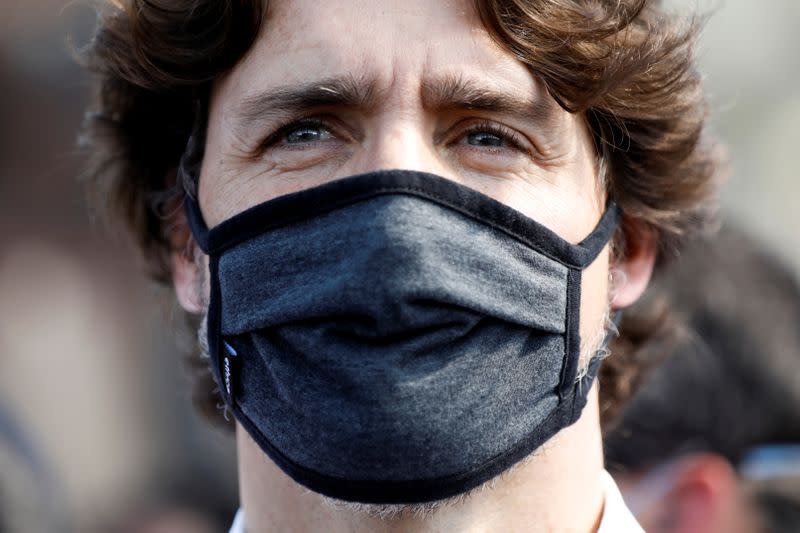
x=332, y=89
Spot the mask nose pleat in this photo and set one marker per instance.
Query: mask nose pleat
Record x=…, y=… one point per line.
x=398, y=265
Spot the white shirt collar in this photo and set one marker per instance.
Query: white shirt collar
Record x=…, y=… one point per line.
x=238, y=523
x=617, y=518
x=616, y=515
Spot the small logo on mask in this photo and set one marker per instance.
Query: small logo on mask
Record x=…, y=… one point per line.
x=227, y=367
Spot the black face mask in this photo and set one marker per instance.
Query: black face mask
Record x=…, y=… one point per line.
x=396, y=337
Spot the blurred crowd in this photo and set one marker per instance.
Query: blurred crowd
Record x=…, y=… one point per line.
x=710, y=442
x=97, y=431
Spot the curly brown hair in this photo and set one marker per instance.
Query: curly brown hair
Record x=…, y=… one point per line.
x=626, y=65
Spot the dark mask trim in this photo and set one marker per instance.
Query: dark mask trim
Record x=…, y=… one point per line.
x=432, y=489
x=324, y=198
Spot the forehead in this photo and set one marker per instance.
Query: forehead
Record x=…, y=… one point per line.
x=397, y=44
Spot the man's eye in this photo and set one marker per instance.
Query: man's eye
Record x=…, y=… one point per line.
x=306, y=134
x=491, y=135
x=484, y=138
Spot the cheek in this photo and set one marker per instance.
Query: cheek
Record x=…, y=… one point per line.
x=569, y=212
x=566, y=196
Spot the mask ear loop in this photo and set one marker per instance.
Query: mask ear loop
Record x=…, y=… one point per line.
x=192, y=157
x=572, y=377
x=189, y=169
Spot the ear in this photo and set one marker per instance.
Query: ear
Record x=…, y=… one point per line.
x=186, y=272
x=636, y=265
x=704, y=496
x=186, y=279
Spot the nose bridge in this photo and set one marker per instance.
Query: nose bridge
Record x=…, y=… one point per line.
x=401, y=140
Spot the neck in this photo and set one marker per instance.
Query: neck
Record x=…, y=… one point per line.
x=557, y=488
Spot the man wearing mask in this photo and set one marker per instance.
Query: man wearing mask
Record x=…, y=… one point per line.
x=406, y=229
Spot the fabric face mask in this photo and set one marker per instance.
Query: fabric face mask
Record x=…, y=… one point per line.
x=396, y=337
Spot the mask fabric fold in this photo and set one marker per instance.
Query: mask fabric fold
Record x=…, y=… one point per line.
x=395, y=337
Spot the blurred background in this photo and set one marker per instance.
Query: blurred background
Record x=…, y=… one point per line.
x=90, y=372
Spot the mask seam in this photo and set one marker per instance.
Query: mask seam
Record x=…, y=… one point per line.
x=230, y=242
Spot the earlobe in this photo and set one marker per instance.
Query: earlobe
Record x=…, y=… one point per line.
x=186, y=280
x=636, y=267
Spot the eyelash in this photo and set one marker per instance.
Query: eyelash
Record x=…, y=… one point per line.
x=291, y=125
x=507, y=134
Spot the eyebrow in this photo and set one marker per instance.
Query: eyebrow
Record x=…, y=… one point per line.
x=349, y=91
x=456, y=92
x=449, y=92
